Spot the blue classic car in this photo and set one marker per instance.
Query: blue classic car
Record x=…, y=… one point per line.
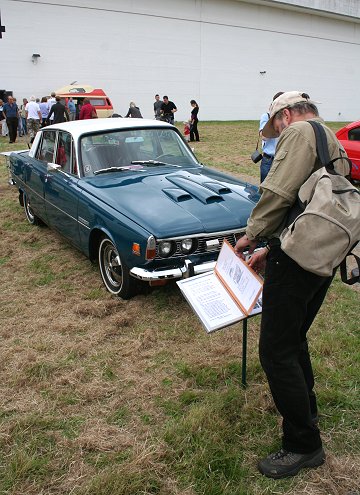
x=131, y=194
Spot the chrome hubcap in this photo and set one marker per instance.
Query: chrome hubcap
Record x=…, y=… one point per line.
x=112, y=265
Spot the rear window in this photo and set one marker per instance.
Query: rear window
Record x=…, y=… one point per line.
x=354, y=134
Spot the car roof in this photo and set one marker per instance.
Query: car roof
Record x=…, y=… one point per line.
x=79, y=127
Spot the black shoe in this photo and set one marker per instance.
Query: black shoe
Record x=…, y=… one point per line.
x=11, y=142
x=283, y=463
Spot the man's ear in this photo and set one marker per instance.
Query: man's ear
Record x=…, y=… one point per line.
x=287, y=114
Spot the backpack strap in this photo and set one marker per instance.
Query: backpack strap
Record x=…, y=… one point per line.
x=355, y=273
x=322, y=149
x=321, y=143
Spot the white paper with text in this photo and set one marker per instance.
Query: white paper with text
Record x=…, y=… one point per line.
x=243, y=283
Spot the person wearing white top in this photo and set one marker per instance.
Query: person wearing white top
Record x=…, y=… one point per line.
x=51, y=102
x=33, y=117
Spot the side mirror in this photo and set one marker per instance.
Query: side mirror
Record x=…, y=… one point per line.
x=53, y=167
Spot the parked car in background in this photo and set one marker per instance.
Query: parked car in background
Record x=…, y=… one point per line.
x=349, y=137
x=131, y=195
x=97, y=97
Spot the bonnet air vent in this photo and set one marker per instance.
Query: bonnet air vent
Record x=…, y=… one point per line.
x=217, y=187
x=197, y=191
x=177, y=194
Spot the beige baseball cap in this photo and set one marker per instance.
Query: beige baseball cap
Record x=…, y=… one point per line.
x=283, y=101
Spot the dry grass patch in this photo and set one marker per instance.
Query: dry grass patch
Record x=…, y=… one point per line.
x=100, y=396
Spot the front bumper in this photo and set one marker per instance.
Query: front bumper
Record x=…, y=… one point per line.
x=187, y=270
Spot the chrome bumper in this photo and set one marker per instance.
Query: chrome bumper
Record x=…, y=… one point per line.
x=188, y=270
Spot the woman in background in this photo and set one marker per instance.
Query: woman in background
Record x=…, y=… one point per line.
x=194, y=133
x=134, y=111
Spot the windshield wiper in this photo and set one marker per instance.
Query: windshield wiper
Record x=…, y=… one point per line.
x=111, y=169
x=152, y=163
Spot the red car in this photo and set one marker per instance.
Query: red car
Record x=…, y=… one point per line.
x=349, y=137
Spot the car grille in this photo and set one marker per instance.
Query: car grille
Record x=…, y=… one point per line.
x=201, y=248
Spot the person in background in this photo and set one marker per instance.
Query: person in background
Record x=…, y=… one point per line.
x=59, y=111
x=268, y=145
x=157, y=107
x=194, y=133
x=51, y=102
x=168, y=108
x=33, y=117
x=87, y=111
x=11, y=112
x=44, y=109
x=20, y=130
x=72, y=109
x=23, y=115
x=292, y=296
x=134, y=111
x=2, y=119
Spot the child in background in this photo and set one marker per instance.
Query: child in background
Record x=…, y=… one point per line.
x=187, y=131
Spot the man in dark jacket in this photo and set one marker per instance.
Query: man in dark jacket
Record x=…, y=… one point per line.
x=59, y=111
x=11, y=112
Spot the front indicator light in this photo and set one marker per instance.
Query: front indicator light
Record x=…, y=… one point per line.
x=136, y=249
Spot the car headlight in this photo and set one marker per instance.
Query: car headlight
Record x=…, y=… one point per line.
x=187, y=245
x=166, y=248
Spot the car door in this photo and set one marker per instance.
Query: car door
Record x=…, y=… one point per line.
x=61, y=189
x=36, y=173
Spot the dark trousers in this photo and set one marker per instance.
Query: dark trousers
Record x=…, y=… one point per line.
x=12, y=123
x=291, y=299
x=194, y=133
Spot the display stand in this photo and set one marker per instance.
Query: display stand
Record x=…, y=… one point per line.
x=244, y=353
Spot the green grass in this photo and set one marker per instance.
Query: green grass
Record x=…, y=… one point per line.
x=108, y=397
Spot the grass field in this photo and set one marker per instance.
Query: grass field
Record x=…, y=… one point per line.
x=101, y=396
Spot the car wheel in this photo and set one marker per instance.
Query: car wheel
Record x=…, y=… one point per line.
x=114, y=273
x=30, y=215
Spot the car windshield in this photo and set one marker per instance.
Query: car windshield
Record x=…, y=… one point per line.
x=133, y=150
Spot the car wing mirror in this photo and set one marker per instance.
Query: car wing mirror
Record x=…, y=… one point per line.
x=53, y=167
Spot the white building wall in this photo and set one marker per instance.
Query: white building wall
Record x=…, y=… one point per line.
x=229, y=55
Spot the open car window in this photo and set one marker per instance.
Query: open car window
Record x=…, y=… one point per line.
x=45, y=151
x=122, y=147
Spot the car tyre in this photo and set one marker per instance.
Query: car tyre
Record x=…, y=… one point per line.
x=30, y=215
x=114, y=272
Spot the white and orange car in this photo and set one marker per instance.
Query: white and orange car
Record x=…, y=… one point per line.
x=97, y=97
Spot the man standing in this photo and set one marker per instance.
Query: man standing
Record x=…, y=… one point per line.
x=72, y=109
x=51, y=102
x=33, y=117
x=268, y=145
x=157, y=107
x=23, y=114
x=168, y=108
x=59, y=112
x=292, y=296
x=11, y=112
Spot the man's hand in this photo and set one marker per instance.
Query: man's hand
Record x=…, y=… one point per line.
x=243, y=243
x=257, y=261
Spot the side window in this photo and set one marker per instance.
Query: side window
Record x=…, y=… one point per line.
x=98, y=102
x=65, y=156
x=45, y=151
x=63, y=151
x=354, y=134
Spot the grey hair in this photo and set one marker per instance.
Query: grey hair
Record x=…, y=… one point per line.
x=132, y=104
x=302, y=107
x=32, y=98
